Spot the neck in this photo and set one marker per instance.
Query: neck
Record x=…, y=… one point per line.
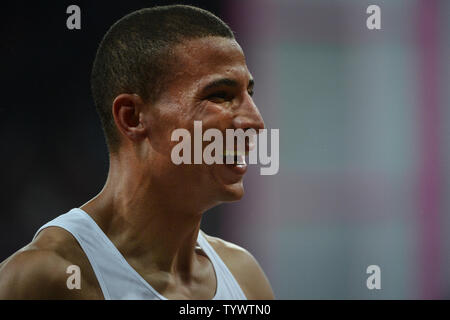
x=147, y=220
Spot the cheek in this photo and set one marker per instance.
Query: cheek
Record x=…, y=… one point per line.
x=213, y=108
x=216, y=116
x=161, y=125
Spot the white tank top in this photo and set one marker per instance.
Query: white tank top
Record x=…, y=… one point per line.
x=117, y=279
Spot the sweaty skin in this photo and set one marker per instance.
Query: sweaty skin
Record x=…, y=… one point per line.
x=150, y=208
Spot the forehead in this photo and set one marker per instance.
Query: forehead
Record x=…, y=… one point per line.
x=201, y=60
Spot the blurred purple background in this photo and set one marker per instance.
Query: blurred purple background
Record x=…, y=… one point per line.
x=364, y=150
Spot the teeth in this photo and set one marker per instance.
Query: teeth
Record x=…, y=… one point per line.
x=239, y=160
x=233, y=153
x=229, y=159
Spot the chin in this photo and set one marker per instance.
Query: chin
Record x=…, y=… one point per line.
x=233, y=192
x=229, y=186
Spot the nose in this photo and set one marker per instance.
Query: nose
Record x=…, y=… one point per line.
x=248, y=116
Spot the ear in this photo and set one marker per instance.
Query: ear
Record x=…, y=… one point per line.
x=127, y=110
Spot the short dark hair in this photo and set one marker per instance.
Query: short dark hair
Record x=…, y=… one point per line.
x=133, y=56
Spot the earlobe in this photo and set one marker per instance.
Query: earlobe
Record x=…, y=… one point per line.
x=127, y=110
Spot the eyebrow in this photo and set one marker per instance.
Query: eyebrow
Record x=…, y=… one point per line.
x=226, y=82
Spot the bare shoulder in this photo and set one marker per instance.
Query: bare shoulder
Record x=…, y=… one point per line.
x=244, y=267
x=40, y=269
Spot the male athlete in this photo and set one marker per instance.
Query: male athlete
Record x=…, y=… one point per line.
x=156, y=70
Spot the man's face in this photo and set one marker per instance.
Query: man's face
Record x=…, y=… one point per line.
x=211, y=83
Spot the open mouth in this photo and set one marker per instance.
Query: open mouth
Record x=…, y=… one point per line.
x=235, y=162
x=234, y=158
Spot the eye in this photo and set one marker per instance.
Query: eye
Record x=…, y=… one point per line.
x=220, y=96
x=250, y=92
